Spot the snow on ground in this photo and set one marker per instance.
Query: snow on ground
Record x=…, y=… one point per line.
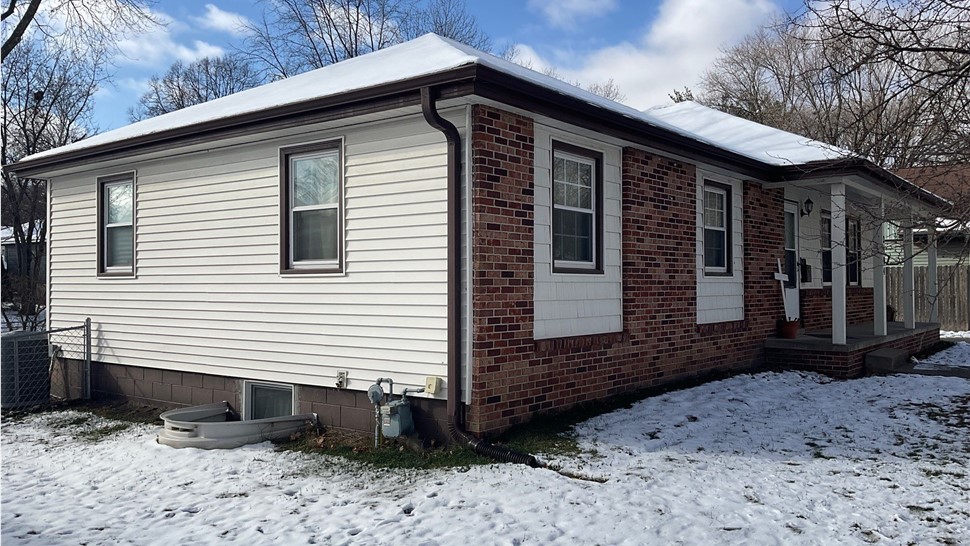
x=949, y=334
x=773, y=458
x=956, y=356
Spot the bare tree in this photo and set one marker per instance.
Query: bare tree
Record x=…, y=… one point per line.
x=55, y=55
x=294, y=36
x=886, y=79
x=75, y=24
x=681, y=95
x=608, y=89
x=447, y=18
x=200, y=81
x=47, y=101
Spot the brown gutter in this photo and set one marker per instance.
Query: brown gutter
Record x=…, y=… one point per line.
x=453, y=138
x=456, y=417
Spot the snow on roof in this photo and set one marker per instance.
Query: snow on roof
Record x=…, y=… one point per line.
x=432, y=54
x=745, y=137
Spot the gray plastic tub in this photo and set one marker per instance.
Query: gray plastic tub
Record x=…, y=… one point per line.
x=210, y=427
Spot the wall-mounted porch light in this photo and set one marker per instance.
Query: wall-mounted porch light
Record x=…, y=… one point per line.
x=807, y=207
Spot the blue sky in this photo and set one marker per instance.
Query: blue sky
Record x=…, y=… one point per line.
x=648, y=47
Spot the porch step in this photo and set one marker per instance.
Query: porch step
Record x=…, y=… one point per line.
x=886, y=360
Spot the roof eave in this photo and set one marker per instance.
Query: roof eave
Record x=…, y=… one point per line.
x=868, y=170
x=382, y=97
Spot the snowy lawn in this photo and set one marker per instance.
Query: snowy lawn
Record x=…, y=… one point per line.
x=774, y=458
x=957, y=356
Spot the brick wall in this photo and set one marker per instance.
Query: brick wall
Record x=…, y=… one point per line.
x=514, y=376
x=816, y=306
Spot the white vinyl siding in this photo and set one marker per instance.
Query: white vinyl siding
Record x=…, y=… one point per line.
x=209, y=296
x=576, y=303
x=720, y=290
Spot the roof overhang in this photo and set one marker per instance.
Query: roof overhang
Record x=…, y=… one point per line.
x=486, y=82
x=868, y=171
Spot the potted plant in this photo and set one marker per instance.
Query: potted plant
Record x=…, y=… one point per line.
x=788, y=328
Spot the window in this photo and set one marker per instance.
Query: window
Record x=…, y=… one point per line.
x=826, y=244
x=311, y=213
x=265, y=400
x=717, y=228
x=116, y=225
x=853, y=251
x=577, y=211
x=791, y=244
x=892, y=231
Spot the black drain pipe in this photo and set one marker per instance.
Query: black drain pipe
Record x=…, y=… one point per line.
x=456, y=418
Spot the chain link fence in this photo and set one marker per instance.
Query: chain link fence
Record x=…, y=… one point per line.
x=38, y=367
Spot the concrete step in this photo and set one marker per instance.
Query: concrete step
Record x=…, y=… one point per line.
x=887, y=360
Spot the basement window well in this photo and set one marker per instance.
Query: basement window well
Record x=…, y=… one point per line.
x=268, y=415
x=265, y=400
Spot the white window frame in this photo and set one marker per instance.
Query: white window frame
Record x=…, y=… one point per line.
x=248, y=395
x=727, y=228
x=592, y=212
x=105, y=183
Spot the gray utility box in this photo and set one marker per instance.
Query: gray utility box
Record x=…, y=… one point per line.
x=396, y=419
x=25, y=370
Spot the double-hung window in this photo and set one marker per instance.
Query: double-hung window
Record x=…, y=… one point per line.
x=717, y=228
x=116, y=225
x=577, y=209
x=311, y=194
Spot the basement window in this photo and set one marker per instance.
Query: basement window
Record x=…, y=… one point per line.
x=264, y=400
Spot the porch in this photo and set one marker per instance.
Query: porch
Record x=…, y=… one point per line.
x=815, y=350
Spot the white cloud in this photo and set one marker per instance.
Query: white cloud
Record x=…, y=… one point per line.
x=158, y=47
x=225, y=21
x=682, y=42
x=564, y=13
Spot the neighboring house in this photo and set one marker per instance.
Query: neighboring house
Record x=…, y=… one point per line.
x=952, y=234
x=11, y=259
x=432, y=211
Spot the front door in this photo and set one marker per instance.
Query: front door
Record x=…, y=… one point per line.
x=791, y=260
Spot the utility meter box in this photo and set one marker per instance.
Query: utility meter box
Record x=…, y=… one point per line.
x=396, y=419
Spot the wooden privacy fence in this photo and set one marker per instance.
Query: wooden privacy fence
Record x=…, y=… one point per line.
x=954, y=295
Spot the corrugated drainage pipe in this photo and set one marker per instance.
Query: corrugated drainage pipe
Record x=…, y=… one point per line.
x=455, y=418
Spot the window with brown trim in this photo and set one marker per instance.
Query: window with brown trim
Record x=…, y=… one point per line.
x=116, y=225
x=311, y=211
x=577, y=209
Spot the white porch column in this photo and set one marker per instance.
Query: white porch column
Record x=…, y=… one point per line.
x=909, y=286
x=837, y=192
x=879, y=276
x=932, y=283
